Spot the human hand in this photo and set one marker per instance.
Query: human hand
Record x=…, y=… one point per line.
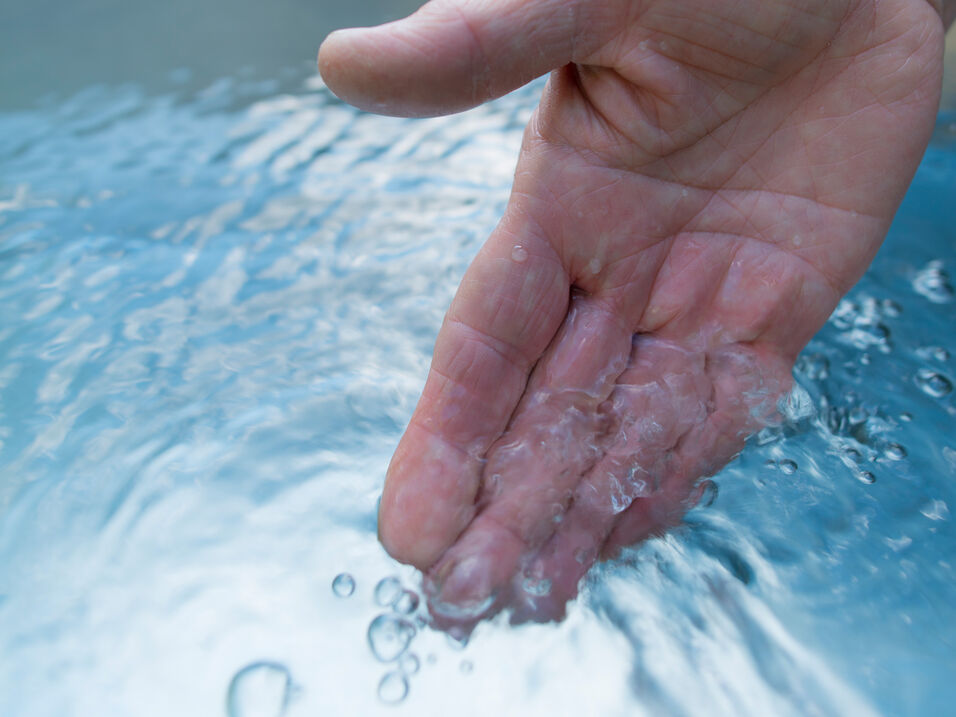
x=700, y=184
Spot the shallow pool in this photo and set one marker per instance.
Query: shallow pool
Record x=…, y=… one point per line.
x=217, y=305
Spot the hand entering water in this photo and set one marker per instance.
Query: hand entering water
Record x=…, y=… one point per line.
x=700, y=184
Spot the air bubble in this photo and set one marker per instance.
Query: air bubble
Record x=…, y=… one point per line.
x=262, y=689
x=519, y=253
x=895, y=452
x=387, y=591
x=936, y=353
x=866, y=477
x=932, y=282
x=932, y=383
x=389, y=637
x=406, y=603
x=409, y=663
x=787, y=466
x=393, y=688
x=891, y=308
x=343, y=585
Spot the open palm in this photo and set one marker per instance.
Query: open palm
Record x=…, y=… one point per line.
x=700, y=184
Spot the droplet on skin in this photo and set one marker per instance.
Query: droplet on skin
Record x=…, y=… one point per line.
x=932, y=383
x=389, y=636
x=387, y=591
x=393, y=688
x=262, y=689
x=343, y=585
x=519, y=253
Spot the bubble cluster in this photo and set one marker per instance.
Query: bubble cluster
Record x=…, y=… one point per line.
x=390, y=635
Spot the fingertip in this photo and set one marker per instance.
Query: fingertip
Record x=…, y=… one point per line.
x=428, y=499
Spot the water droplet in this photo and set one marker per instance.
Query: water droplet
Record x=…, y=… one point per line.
x=936, y=353
x=853, y=454
x=932, y=282
x=788, y=466
x=262, y=689
x=387, y=591
x=814, y=366
x=406, y=603
x=866, y=477
x=891, y=308
x=708, y=494
x=519, y=253
x=932, y=383
x=537, y=587
x=389, y=636
x=906, y=416
x=894, y=451
x=393, y=688
x=343, y=585
x=409, y=663
x=466, y=667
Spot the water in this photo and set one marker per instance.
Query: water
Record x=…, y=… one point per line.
x=216, y=312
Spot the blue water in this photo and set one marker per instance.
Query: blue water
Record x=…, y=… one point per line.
x=216, y=312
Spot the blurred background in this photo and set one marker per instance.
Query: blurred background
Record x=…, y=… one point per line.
x=63, y=45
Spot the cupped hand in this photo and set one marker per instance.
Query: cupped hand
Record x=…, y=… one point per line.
x=700, y=184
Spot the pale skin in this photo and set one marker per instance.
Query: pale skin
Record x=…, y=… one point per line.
x=700, y=184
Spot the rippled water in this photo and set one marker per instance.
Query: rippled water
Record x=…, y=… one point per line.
x=216, y=313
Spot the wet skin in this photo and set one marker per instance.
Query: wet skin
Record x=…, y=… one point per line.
x=700, y=184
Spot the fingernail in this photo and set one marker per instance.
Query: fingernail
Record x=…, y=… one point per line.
x=461, y=589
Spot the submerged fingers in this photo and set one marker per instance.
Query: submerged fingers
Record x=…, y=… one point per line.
x=572, y=480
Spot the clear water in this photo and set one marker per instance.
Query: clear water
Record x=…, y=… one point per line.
x=216, y=313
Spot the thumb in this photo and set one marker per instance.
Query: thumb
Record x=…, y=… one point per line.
x=450, y=55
